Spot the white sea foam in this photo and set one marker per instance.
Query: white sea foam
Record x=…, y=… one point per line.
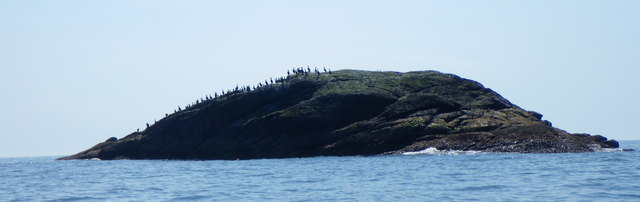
x=598, y=148
x=609, y=150
x=434, y=151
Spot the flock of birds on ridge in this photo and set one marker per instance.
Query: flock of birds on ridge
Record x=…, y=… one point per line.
x=241, y=89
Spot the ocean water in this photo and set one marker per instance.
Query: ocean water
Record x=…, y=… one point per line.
x=426, y=176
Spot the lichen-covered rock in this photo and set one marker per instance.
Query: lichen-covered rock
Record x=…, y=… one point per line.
x=347, y=112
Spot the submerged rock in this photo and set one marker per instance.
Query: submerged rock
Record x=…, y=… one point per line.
x=347, y=112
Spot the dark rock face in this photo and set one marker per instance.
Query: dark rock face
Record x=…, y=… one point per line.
x=347, y=113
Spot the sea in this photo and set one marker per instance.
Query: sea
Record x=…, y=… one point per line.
x=430, y=175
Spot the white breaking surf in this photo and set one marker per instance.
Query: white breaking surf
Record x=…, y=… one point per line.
x=434, y=151
x=609, y=150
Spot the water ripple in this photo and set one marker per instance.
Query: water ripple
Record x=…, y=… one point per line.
x=487, y=177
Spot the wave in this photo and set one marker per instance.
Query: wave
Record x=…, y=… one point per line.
x=435, y=151
x=611, y=150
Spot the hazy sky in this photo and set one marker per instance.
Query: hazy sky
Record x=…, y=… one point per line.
x=74, y=73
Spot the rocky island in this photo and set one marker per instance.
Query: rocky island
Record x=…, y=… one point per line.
x=347, y=112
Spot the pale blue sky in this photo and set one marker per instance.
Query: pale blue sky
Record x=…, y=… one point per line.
x=74, y=73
